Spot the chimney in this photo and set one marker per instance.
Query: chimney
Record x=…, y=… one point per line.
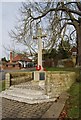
x=11, y=57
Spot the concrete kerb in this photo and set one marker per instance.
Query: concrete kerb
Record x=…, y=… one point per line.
x=57, y=107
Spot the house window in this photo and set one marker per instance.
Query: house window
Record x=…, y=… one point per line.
x=74, y=53
x=19, y=65
x=13, y=65
x=6, y=65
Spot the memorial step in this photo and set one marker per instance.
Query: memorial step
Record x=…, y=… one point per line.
x=20, y=91
x=26, y=100
x=31, y=92
x=28, y=85
x=30, y=97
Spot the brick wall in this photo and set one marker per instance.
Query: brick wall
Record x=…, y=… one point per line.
x=10, y=67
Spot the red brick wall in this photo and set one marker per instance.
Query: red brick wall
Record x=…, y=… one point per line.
x=10, y=67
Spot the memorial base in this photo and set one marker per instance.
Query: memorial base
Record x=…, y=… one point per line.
x=40, y=76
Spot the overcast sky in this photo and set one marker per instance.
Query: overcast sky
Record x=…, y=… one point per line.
x=9, y=10
x=8, y=13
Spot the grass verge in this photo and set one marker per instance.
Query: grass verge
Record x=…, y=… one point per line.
x=73, y=103
x=72, y=107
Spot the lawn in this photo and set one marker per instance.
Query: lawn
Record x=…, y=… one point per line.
x=73, y=110
x=62, y=69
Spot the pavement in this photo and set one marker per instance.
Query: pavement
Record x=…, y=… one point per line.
x=51, y=110
x=13, y=108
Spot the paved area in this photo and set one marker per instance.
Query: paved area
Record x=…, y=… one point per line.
x=14, y=109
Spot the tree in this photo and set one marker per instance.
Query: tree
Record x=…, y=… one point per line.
x=57, y=16
x=64, y=49
x=4, y=59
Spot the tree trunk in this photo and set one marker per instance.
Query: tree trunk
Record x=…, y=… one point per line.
x=79, y=44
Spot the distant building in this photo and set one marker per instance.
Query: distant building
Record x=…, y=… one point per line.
x=24, y=61
x=74, y=54
x=74, y=51
x=17, y=62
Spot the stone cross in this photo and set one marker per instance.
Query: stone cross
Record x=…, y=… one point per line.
x=39, y=37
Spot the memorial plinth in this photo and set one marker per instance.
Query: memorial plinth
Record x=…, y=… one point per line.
x=39, y=75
